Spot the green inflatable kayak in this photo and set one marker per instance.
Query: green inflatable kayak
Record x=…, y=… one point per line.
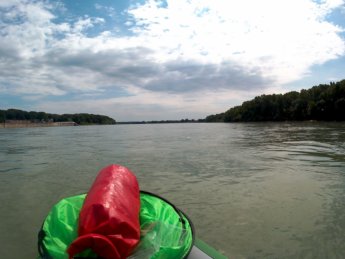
x=166, y=232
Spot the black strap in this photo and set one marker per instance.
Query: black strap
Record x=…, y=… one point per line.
x=43, y=252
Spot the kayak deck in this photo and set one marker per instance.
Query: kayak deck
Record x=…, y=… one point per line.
x=201, y=250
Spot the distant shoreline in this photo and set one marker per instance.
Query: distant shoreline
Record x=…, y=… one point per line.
x=161, y=121
x=29, y=124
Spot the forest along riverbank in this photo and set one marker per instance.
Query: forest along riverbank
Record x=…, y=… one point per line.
x=30, y=124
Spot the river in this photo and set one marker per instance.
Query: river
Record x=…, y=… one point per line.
x=252, y=190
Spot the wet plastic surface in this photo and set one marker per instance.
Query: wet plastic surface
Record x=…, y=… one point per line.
x=109, y=219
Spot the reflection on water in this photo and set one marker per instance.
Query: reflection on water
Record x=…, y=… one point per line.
x=256, y=190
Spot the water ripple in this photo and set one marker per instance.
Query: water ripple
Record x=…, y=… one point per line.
x=271, y=190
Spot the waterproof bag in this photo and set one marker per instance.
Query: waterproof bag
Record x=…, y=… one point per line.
x=109, y=218
x=166, y=232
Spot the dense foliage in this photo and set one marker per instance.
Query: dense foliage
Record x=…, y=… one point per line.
x=323, y=102
x=81, y=118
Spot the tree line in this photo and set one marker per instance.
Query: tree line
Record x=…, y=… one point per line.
x=325, y=102
x=79, y=118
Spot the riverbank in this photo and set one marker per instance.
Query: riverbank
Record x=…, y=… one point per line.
x=30, y=124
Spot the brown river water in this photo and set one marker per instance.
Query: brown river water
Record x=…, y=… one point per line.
x=252, y=190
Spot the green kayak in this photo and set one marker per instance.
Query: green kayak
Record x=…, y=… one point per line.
x=166, y=232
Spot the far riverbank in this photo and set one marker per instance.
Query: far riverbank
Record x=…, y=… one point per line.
x=29, y=124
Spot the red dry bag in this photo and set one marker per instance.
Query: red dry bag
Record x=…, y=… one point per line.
x=109, y=219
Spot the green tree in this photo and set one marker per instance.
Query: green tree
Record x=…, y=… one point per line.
x=322, y=102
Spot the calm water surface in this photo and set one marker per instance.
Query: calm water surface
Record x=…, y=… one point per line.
x=270, y=190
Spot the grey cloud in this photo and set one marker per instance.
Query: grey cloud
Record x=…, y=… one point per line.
x=30, y=64
x=8, y=52
x=130, y=66
x=134, y=66
x=87, y=58
x=188, y=77
x=83, y=71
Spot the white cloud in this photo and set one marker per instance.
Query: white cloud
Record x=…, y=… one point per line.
x=281, y=38
x=210, y=51
x=328, y=5
x=86, y=23
x=9, y=3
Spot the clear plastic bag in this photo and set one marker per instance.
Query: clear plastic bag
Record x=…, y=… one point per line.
x=157, y=237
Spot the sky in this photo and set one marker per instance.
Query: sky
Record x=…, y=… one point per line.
x=164, y=60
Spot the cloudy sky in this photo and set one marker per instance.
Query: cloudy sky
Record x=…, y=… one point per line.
x=173, y=59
